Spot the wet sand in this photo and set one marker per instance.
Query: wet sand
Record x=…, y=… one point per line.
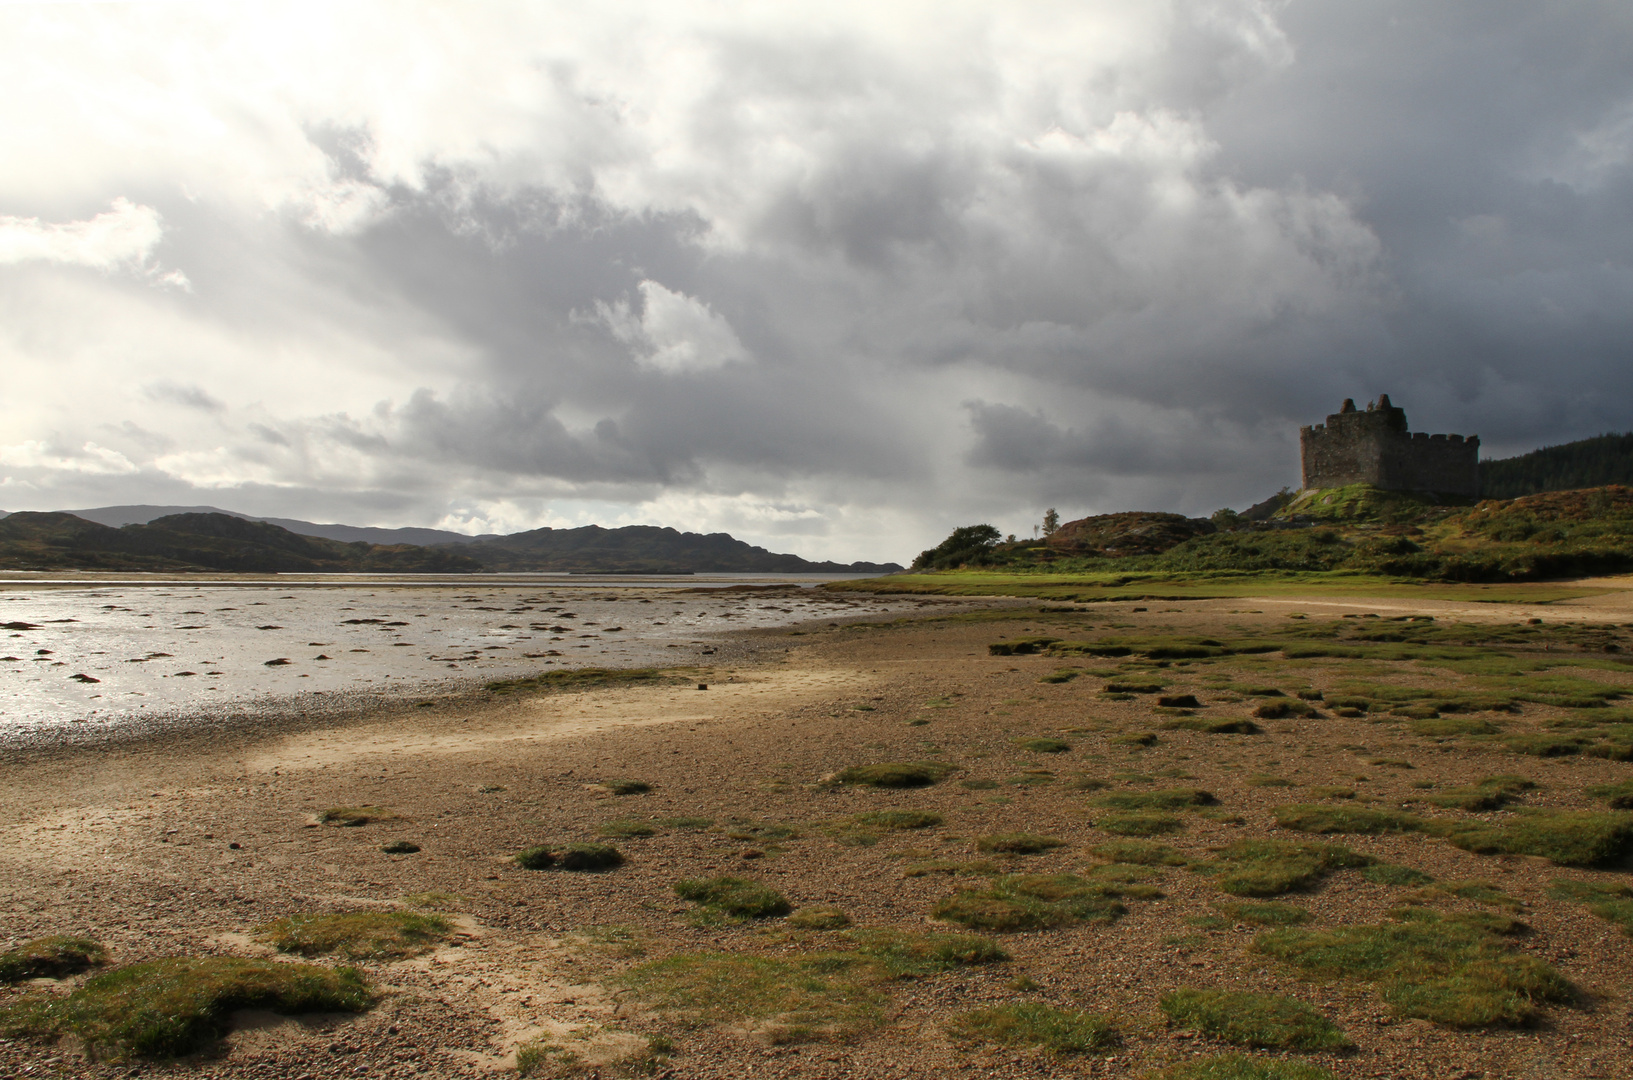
x=183, y=842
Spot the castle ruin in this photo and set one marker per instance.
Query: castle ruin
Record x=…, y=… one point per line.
x=1375, y=447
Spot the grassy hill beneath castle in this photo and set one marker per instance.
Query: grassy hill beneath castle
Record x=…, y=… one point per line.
x=1351, y=534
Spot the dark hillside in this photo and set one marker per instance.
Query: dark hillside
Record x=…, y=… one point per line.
x=592, y=549
x=33, y=541
x=1586, y=463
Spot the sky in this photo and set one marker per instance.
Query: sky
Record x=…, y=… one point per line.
x=832, y=277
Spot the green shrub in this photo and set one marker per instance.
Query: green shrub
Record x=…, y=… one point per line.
x=737, y=897
x=1432, y=968
x=1265, y=1020
x=1018, y=843
x=1034, y=1024
x=1273, y=867
x=50, y=958
x=908, y=774
x=1038, y=902
x=165, y=1008
x=356, y=935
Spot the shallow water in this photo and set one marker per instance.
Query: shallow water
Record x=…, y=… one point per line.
x=113, y=650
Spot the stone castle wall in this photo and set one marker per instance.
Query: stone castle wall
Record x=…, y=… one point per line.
x=1375, y=447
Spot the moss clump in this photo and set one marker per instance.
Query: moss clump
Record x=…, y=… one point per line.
x=1241, y=1067
x=1567, y=837
x=356, y=935
x=1447, y=970
x=1165, y=799
x=627, y=787
x=164, y=1008
x=908, y=774
x=1266, y=1020
x=1018, y=843
x=899, y=819
x=50, y=958
x=1139, y=824
x=780, y=1000
x=581, y=857
x=1034, y=1024
x=1044, y=746
x=819, y=917
x=739, y=898
x=952, y=868
x=399, y=847
x=354, y=816
x=1273, y=867
x=1019, y=902
x=1313, y=818
x=905, y=953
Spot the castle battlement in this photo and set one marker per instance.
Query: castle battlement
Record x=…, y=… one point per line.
x=1375, y=447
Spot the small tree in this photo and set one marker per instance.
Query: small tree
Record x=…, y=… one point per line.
x=966, y=545
x=1051, y=521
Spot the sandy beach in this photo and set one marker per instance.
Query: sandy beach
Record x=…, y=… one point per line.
x=183, y=842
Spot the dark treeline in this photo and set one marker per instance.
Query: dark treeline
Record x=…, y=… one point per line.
x=1605, y=459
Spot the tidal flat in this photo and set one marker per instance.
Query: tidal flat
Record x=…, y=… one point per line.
x=963, y=840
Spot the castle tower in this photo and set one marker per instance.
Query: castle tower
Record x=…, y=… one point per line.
x=1375, y=447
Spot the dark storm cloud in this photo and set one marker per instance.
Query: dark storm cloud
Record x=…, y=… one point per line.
x=857, y=275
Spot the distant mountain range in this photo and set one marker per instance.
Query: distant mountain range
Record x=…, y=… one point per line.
x=207, y=538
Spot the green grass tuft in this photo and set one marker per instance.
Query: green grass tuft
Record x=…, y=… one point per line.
x=1314, y=818
x=1165, y=799
x=1567, y=837
x=1612, y=902
x=910, y=774
x=1273, y=867
x=1018, y=843
x=1263, y=1020
x=583, y=857
x=356, y=815
x=627, y=828
x=1044, y=746
x=1492, y=793
x=899, y=819
x=1447, y=970
x=1620, y=796
x=1019, y=902
x=1267, y=913
x=165, y=1008
x=627, y=787
x=739, y=898
x=819, y=917
x=1034, y=1024
x=50, y=958
x=781, y=1000
x=906, y=953
x=1391, y=874
x=357, y=935
x=1140, y=853
x=1133, y=824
